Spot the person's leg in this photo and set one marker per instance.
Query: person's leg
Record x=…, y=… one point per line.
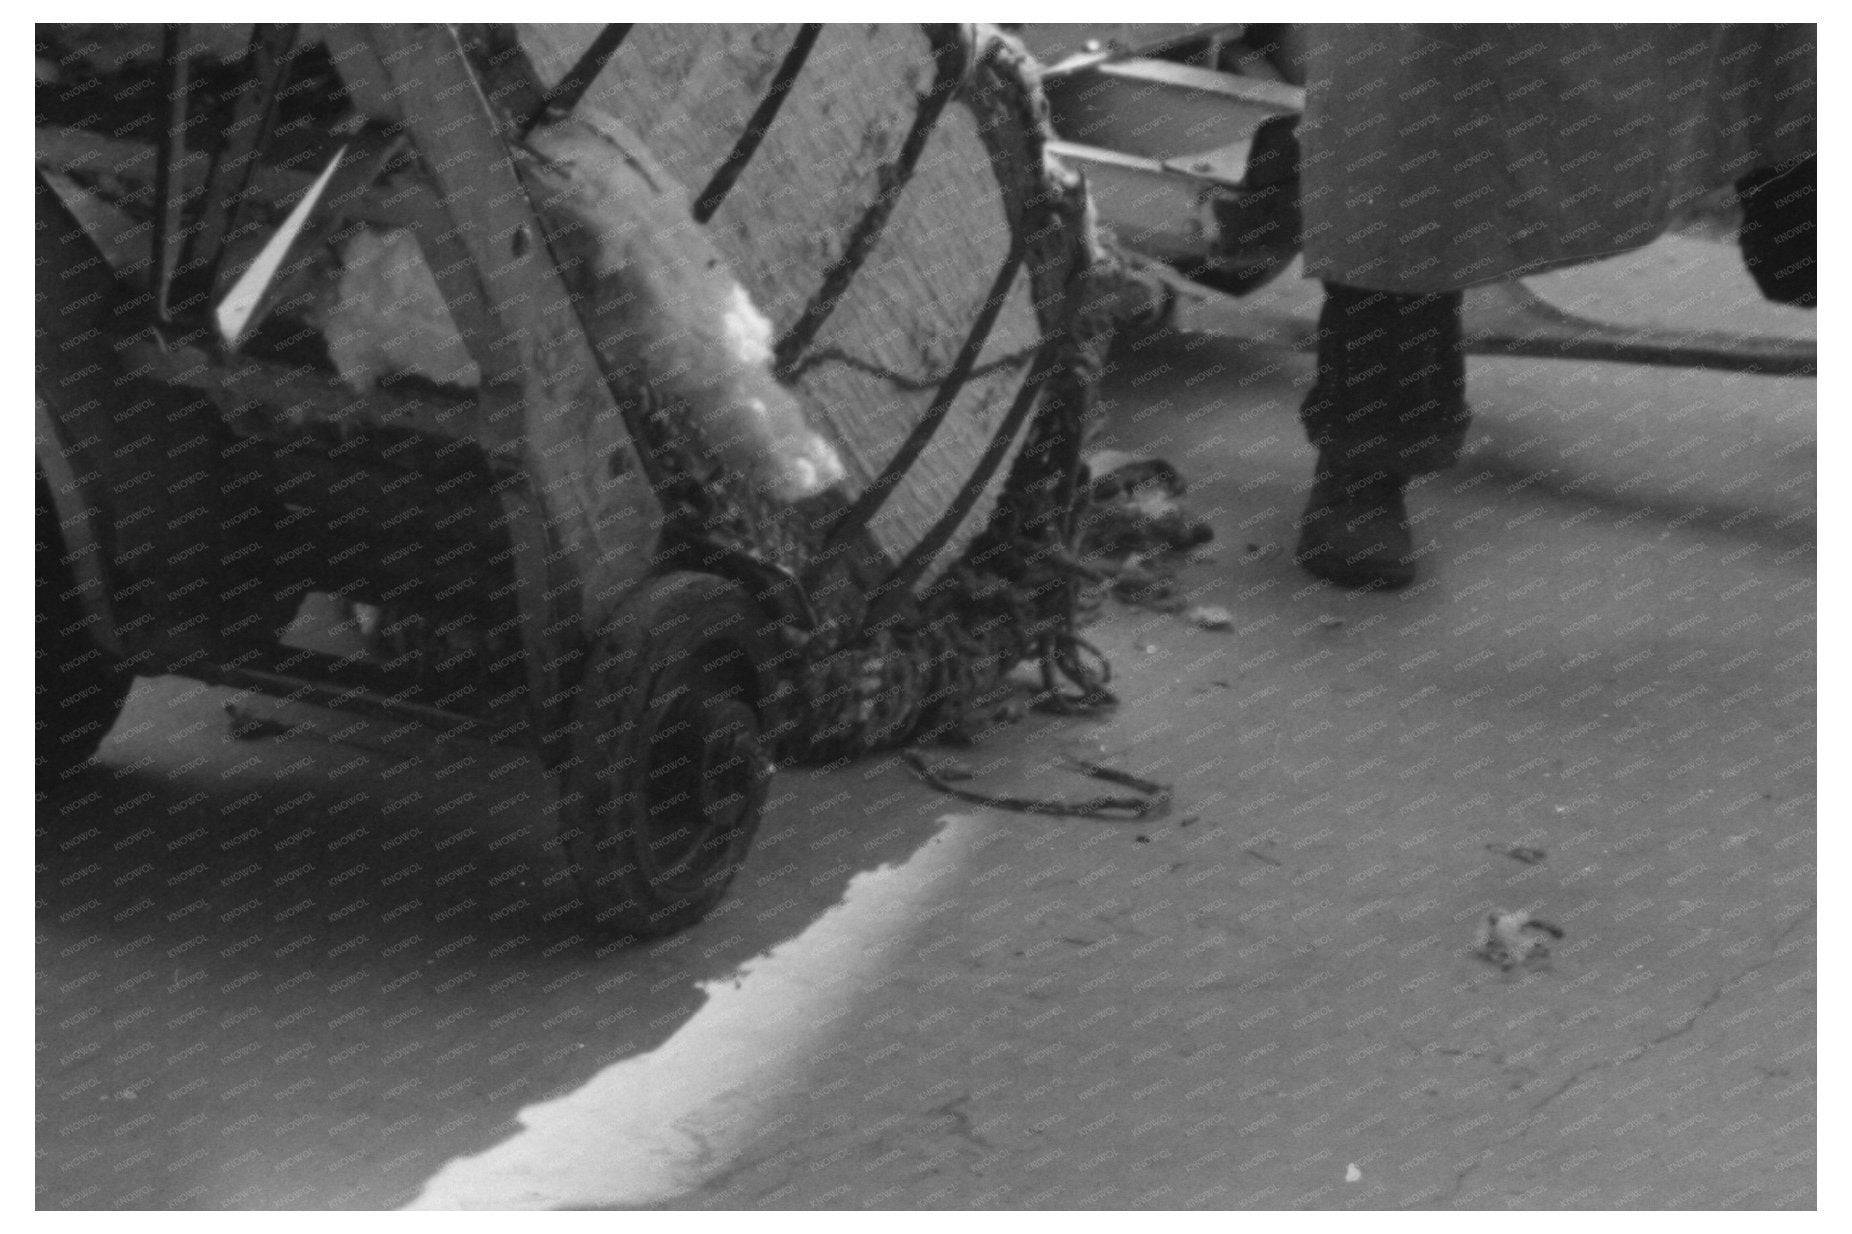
x=1388, y=404
x=1778, y=233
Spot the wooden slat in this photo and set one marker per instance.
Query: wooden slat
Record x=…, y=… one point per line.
x=234, y=162
x=1053, y=43
x=88, y=157
x=1162, y=110
x=1150, y=206
x=538, y=369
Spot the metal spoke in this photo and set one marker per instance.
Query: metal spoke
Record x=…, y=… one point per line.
x=762, y=117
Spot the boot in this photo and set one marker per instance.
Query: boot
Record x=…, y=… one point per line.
x=1354, y=531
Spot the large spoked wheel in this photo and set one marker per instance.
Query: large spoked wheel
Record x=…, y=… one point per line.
x=668, y=773
x=80, y=688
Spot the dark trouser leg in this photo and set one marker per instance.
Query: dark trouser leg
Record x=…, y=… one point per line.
x=1778, y=235
x=1390, y=395
x=1389, y=403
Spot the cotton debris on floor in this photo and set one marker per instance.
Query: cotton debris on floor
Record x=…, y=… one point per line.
x=1514, y=939
x=1136, y=532
x=1210, y=617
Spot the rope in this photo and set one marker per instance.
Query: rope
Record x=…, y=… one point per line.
x=1152, y=801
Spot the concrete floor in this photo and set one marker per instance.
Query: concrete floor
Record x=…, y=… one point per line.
x=319, y=970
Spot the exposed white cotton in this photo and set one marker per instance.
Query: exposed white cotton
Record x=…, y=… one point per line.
x=671, y=315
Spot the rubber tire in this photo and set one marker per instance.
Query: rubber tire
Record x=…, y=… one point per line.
x=668, y=770
x=80, y=688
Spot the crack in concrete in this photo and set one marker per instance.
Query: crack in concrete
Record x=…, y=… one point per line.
x=1533, y=1115
x=962, y=1126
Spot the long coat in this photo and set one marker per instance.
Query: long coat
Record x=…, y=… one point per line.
x=1439, y=157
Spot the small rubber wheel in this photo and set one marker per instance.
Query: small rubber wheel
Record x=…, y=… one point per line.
x=80, y=687
x=668, y=770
